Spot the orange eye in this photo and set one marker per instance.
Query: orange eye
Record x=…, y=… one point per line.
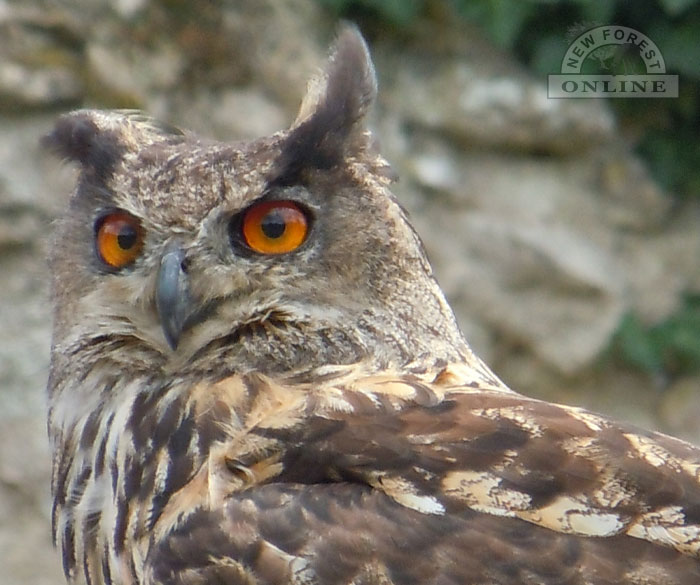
x=119, y=239
x=275, y=227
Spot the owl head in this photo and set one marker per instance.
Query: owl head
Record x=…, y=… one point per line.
x=282, y=254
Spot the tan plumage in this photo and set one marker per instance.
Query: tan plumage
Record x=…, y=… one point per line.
x=221, y=415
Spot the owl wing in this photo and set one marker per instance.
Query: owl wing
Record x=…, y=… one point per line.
x=395, y=479
x=341, y=533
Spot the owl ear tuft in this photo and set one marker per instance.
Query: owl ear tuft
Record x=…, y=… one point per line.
x=78, y=137
x=342, y=93
x=331, y=121
x=99, y=139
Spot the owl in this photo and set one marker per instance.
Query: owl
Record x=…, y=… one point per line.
x=255, y=380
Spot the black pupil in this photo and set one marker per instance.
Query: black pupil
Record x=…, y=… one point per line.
x=127, y=237
x=273, y=224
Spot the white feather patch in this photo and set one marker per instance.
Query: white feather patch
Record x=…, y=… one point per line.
x=574, y=516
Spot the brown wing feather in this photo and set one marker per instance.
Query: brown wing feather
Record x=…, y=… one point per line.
x=338, y=534
x=421, y=479
x=440, y=447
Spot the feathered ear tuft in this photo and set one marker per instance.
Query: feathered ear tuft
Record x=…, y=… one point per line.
x=347, y=84
x=78, y=137
x=99, y=139
x=331, y=121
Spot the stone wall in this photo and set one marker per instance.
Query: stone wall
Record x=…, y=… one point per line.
x=543, y=228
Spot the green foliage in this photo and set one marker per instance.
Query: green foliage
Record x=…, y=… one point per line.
x=676, y=7
x=503, y=20
x=670, y=348
x=674, y=159
x=397, y=12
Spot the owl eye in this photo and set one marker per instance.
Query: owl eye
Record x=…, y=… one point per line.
x=274, y=227
x=119, y=239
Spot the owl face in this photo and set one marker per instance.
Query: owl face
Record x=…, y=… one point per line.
x=281, y=254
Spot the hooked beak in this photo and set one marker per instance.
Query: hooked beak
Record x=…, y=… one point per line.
x=172, y=294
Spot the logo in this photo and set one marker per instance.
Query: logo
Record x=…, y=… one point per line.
x=613, y=62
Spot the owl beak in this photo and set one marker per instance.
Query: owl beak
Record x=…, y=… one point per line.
x=172, y=294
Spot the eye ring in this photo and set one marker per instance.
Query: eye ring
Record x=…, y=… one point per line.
x=118, y=239
x=274, y=227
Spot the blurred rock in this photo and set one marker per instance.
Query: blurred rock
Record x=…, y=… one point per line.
x=226, y=114
x=32, y=189
x=37, y=70
x=632, y=200
x=552, y=252
x=129, y=77
x=679, y=409
x=475, y=105
x=25, y=519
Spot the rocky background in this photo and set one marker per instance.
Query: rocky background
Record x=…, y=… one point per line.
x=545, y=230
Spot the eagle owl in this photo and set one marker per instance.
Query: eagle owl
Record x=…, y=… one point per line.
x=255, y=379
